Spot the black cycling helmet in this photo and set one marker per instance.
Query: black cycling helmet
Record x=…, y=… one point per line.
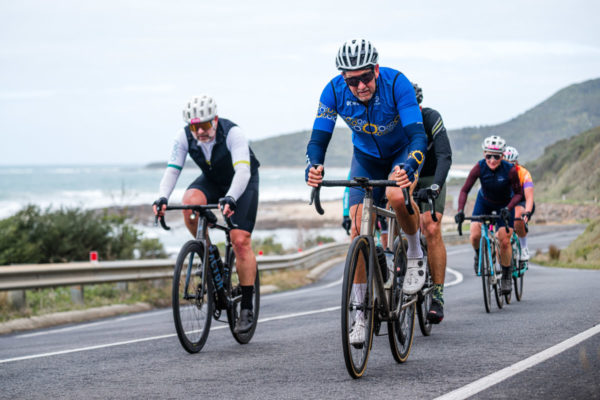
x=418, y=93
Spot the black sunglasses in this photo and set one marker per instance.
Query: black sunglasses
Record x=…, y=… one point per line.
x=494, y=156
x=364, y=78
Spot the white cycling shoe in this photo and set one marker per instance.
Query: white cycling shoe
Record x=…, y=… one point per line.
x=357, y=333
x=415, y=275
x=524, y=254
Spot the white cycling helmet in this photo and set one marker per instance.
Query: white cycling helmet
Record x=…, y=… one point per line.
x=511, y=154
x=200, y=108
x=356, y=54
x=493, y=144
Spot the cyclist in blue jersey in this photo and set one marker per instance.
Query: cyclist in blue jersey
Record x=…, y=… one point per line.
x=380, y=107
x=500, y=191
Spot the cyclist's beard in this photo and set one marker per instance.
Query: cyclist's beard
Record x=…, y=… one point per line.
x=205, y=137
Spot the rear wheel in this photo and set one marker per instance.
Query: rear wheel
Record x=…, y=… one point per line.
x=356, y=302
x=193, y=302
x=486, y=278
x=234, y=308
x=400, y=330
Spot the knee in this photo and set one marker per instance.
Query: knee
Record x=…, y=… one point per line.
x=242, y=243
x=431, y=230
x=396, y=198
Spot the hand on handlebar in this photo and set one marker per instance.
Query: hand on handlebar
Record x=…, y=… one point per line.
x=505, y=214
x=315, y=175
x=347, y=224
x=227, y=205
x=459, y=218
x=159, y=206
x=526, y=216
x=401, y=176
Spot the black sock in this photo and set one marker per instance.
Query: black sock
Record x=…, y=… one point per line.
x=247, y=292
x=506, y=271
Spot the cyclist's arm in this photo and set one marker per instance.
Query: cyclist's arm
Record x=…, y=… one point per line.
x=174, y=166
x=237, y=144
x=515, y=182
x=442, y=149
x=322, y=128
x=528, y=191
x=412, y=121
x=464, y=191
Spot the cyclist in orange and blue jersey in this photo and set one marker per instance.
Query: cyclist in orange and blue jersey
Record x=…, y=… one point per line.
x=525, y=208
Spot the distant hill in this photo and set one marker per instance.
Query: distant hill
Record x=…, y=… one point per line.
x=569, y=169
x=570, y=111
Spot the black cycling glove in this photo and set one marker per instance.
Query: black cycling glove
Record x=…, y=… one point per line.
x=160, y=203
x=229, y=201
x=505, y=214
x=347, y=224
x=460, y=217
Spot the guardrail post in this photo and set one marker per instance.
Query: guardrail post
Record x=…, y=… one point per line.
x=77, y=294
x=17, y=299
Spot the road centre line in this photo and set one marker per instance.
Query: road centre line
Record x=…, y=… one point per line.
x=107, y=345
x=497, y=377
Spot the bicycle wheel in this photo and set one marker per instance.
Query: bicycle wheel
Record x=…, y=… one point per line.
x=354, y=302
x=401, y=330
x=234, y=308
x=424, y=302
x=516, y=251
x=518, y=281
x=192, y=298
x=486, y=277
x=497, y=276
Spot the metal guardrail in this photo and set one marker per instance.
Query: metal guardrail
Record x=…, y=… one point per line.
x=33, y=276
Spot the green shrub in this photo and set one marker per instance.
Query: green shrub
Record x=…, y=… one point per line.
x=65, y=235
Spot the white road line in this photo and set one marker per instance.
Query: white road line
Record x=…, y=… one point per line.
x=497, y=377
x=103, y=346
x=458, y=275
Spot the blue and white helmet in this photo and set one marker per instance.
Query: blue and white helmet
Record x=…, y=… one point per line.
x=511, y=154
x=356, y=54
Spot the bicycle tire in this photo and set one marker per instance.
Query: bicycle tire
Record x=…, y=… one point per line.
x=424, y=302
x=400, y=331
x=234, y=307
x=192, y=316
x=486, y=278
x=355, y=356
x=518, y=283
x=516, y=251
x=497, y=274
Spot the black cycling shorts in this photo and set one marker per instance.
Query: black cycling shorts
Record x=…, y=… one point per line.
x=246, y=206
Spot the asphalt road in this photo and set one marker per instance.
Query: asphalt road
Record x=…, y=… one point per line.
x=296, y=352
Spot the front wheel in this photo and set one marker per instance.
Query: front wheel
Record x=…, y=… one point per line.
x=400, y=330
x=193, y=302
x=234, y=308
x=357, y=307
x=486, y=275
x=518, y=280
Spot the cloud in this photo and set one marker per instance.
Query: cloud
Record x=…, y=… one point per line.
x=27, y=94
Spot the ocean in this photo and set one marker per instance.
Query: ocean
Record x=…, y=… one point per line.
x=96, y=186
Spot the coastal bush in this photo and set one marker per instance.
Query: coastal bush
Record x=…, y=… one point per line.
x=69, y=234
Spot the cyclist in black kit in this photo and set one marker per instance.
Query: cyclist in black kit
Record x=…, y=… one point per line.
x=438, y=160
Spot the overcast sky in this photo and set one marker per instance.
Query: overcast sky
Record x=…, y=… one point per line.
x=104, y=82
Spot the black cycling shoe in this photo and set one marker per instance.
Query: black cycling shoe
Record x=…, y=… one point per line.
x=436, y=312
x=244, y=322
x=506, y=285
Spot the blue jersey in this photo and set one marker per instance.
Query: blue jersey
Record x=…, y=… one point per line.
x=388, y=124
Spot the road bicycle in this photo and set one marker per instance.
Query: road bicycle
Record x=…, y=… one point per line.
x=383, y=299
x=204, y=285
x=488, y=266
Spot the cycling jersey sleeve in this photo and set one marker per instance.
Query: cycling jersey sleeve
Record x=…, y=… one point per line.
x=237, y=144
x=517, y=189
x=322, y=128
x=442, y=149
x=174, y=166
x=412, y=121
x=464, y=191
